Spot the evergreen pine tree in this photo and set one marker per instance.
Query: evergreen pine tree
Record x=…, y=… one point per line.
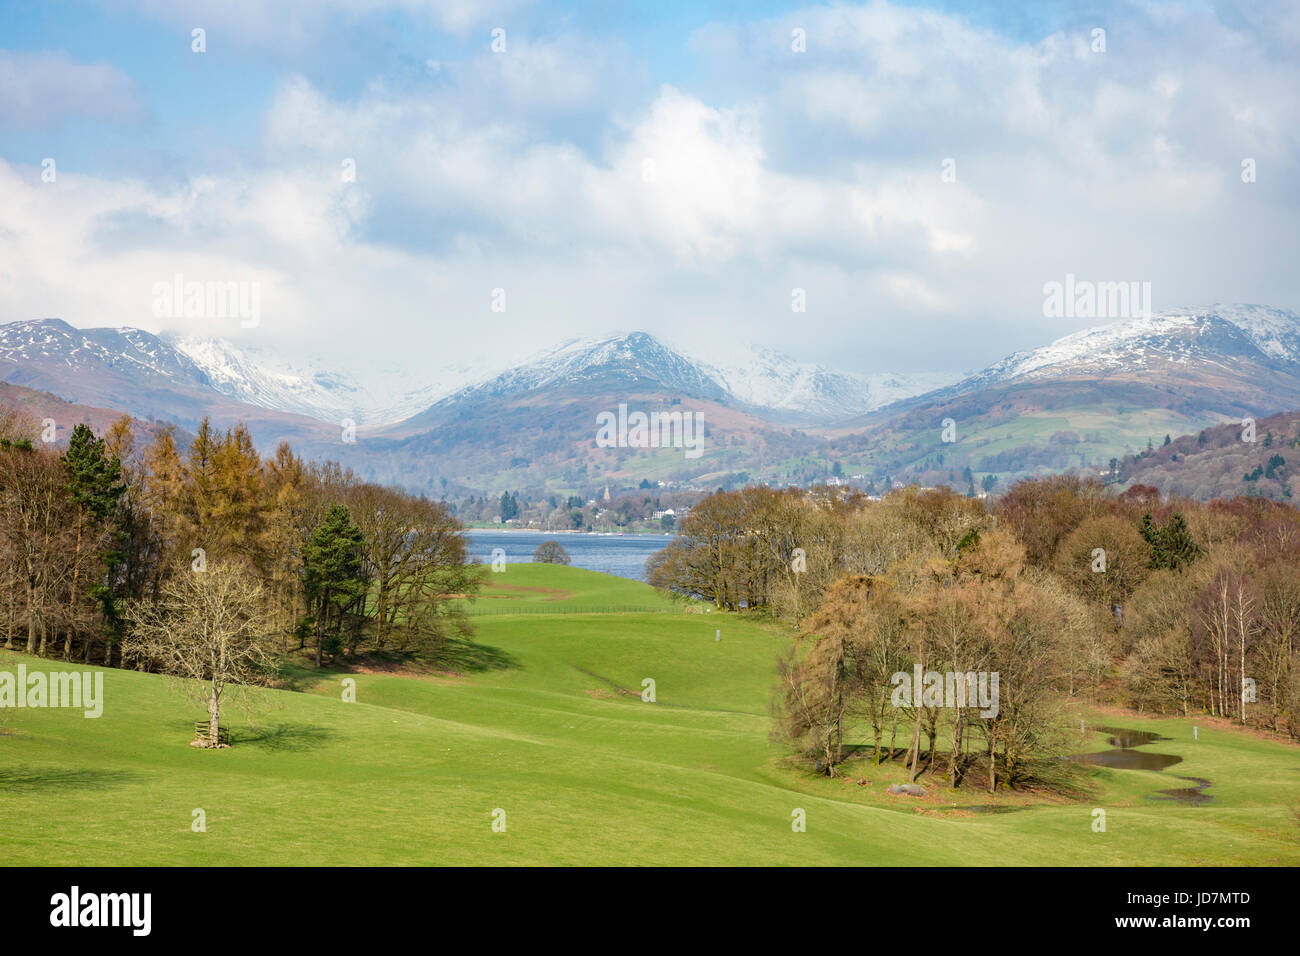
x=333, y=575
x=1177, y=544
x=94, y=476
x=94, y=484
x=201, y=468
x=1172, y=546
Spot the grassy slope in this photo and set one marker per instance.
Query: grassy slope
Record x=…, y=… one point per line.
x=539, y=584
x=411, y=772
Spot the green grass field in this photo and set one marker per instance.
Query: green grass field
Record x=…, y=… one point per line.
x=551, y=730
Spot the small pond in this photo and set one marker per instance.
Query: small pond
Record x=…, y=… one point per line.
x=1125, y=755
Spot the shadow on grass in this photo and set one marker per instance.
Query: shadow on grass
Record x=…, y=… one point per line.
x=460, y=653
x=1058, y=777
x=463, y=654
x=295, y=677
x=988, y=808
x=26, y=780
x=455, y=656
x=282, y=737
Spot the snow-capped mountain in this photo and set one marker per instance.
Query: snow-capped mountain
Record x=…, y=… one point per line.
x=1222, y=360
x=137, y=372
x=121, y=367
x=307, y=387
x=113, y=367
x=29, y=346
x=637, y=359
x=131, y=369
x=763, y=378
x=1094, y=396
x=1222, y=335
x=758, y=379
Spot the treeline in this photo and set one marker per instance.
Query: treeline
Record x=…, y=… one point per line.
x=1065, y=590
x=105, y=530
x=1246, y=458
x=628, y=508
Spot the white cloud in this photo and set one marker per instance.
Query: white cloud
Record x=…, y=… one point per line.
x=40, y=90
x=820, y=171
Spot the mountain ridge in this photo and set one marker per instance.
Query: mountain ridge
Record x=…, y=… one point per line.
x=1175, y=334
x=760, y=380
x=1081, y=399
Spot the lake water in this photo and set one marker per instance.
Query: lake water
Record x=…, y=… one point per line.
x=620, y=555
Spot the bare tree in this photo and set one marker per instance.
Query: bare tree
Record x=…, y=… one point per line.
x=208, y=629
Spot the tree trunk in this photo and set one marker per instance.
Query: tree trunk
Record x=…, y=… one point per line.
x=214, y=718
x=320, y=632
x=956, y=751
x=839, y=706
x=1241, y=635
x=993, y=765
x=31, y=618
x=72, y=594
x=916, y=747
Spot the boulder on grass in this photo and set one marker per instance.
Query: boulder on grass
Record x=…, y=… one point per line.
x=910, y=789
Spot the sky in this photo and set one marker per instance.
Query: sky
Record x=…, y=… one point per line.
x=436, y=182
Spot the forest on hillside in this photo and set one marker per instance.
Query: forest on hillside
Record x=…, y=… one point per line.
x=1252, y=457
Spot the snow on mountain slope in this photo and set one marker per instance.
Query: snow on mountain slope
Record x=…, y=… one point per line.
x=1275, y=332
x=259, y=377
x=31, y=344
x=767, y=379
x=634, y=359
x=762, y=379
x=1218, y=334
x=52, y=338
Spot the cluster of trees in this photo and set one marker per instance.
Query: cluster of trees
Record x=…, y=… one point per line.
x=104, y=547
x=628, y=508
x=1204, y=597
x=1064, y=589
x=509, y=506
x=54, y=540
x=1240, y=458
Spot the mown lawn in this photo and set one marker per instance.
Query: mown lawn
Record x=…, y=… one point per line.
x=553, y=731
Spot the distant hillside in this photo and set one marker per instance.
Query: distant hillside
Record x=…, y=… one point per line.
x=1218, y=463
x=1074, y=404
x=547, y=438
x=1088, y=397
x=36, y=406
x=139, y=373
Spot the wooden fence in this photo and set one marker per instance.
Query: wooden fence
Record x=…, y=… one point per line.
x=203, y=731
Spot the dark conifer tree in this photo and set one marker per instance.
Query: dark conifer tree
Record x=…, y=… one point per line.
x=333, y=577
x=94, y=484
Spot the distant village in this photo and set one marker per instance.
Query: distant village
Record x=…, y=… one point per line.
x=650, y=506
